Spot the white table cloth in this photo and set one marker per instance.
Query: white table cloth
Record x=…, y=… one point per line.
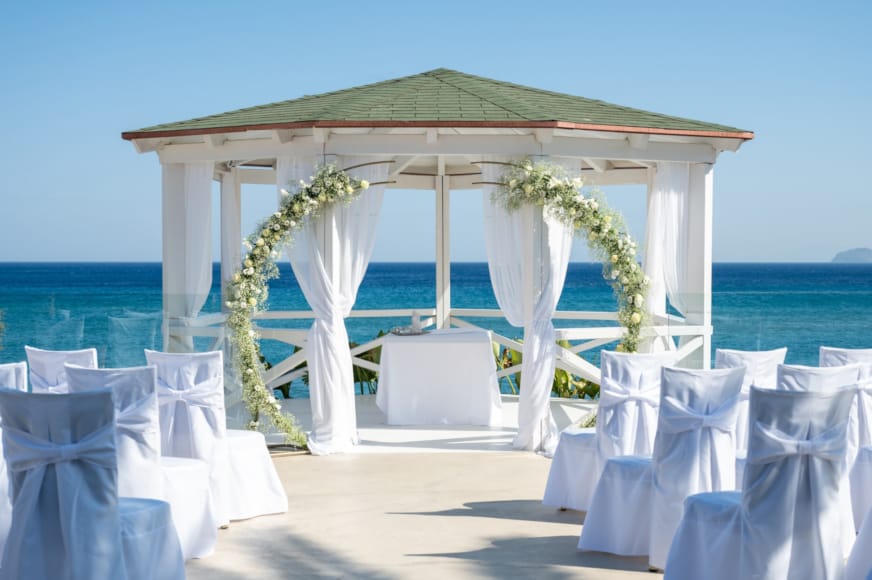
x=444, y=377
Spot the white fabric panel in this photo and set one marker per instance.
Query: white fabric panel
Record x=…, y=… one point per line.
x=61, y=455
x=187, y=490
x=620, y=509
x=527, y=291
x=417, y=387
x=149, y=540
x=329, y=257
x=137, y=427
x=626, y=422
x=761, y=368
x=859, y=566
x=574, y=457
x=861, y=486
x=47, y=372
x=666, y=238
x=190, y=390
x=187, y=215
x=12, y=376
x=255, y=487
x=787, y=523
x=695, y=450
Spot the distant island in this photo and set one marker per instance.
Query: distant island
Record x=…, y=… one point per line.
x=857, y=255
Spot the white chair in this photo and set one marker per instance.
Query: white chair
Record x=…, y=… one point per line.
x=824, y=379
x=761, y=369
x=625, y=425
x=142, y=472
x=137, y=435
x=637, y=503
x=251, y=486
x=190, y=390
x=859, y=426
x=785, y=521
x=68, y=521
x=12, y=376
x=47, y=373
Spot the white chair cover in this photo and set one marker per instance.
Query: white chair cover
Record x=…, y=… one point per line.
x=61, y=456
x=190, y=390
x=255, y=487
x=695, y=447
x=150, y=541
x=825, y=379
x=785, y=522
x=12, y=376
x=141, y=471
x=47, y=373
x=637, y=503
x=626, y=423
x=761, y=369
x=859, y=424
x=137, y=431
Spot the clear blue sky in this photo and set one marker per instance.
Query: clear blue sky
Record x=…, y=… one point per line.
x=74, y=75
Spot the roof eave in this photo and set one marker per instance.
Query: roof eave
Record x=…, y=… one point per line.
x=742, y=135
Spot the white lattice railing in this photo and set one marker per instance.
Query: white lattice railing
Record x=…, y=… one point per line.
x=582, y=338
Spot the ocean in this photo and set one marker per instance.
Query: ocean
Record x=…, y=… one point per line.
x=116, y=306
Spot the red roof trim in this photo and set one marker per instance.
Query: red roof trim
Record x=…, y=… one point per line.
x=131, y=135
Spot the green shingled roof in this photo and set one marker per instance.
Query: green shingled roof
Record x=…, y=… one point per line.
x=441, y=97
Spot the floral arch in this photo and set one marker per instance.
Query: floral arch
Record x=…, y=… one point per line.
x=526, y=182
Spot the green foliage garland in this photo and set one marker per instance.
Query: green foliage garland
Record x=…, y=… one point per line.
x=547, y=186
x=249, y=288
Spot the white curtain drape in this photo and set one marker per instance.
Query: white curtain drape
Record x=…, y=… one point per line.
x=329, y=257
x=187, y=242
x=528, y=254
x=666, y=240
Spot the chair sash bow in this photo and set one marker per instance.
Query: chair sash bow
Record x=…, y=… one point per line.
x=774, y=445
x=207, y=393
x=27, y=452
x=676, y=417
x=614, y=393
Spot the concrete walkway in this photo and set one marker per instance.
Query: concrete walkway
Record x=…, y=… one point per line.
x=405, y=508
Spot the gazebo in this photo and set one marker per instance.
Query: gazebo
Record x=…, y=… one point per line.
x=441, y=131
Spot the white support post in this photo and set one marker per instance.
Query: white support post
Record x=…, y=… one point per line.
x=699, y=273
x=231, y=229
x=443, y=249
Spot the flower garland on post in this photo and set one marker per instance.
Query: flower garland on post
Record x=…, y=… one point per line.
x=249, y=289
x=547, y=186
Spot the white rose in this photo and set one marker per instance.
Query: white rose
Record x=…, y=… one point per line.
x=364, y=184
x=636, y=318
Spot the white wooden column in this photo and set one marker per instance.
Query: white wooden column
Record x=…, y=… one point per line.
x=187, y=250
x=699, y=267
x=231, y=229
x=443, y=248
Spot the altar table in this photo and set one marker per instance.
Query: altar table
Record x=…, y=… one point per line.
x=443, y=377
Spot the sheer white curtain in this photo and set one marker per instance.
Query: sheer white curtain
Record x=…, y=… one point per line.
x=329, y=257
x=528, y=254
x=187, y=241
x=666, y=258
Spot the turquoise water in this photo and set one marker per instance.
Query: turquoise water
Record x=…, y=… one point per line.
x=116, y=307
